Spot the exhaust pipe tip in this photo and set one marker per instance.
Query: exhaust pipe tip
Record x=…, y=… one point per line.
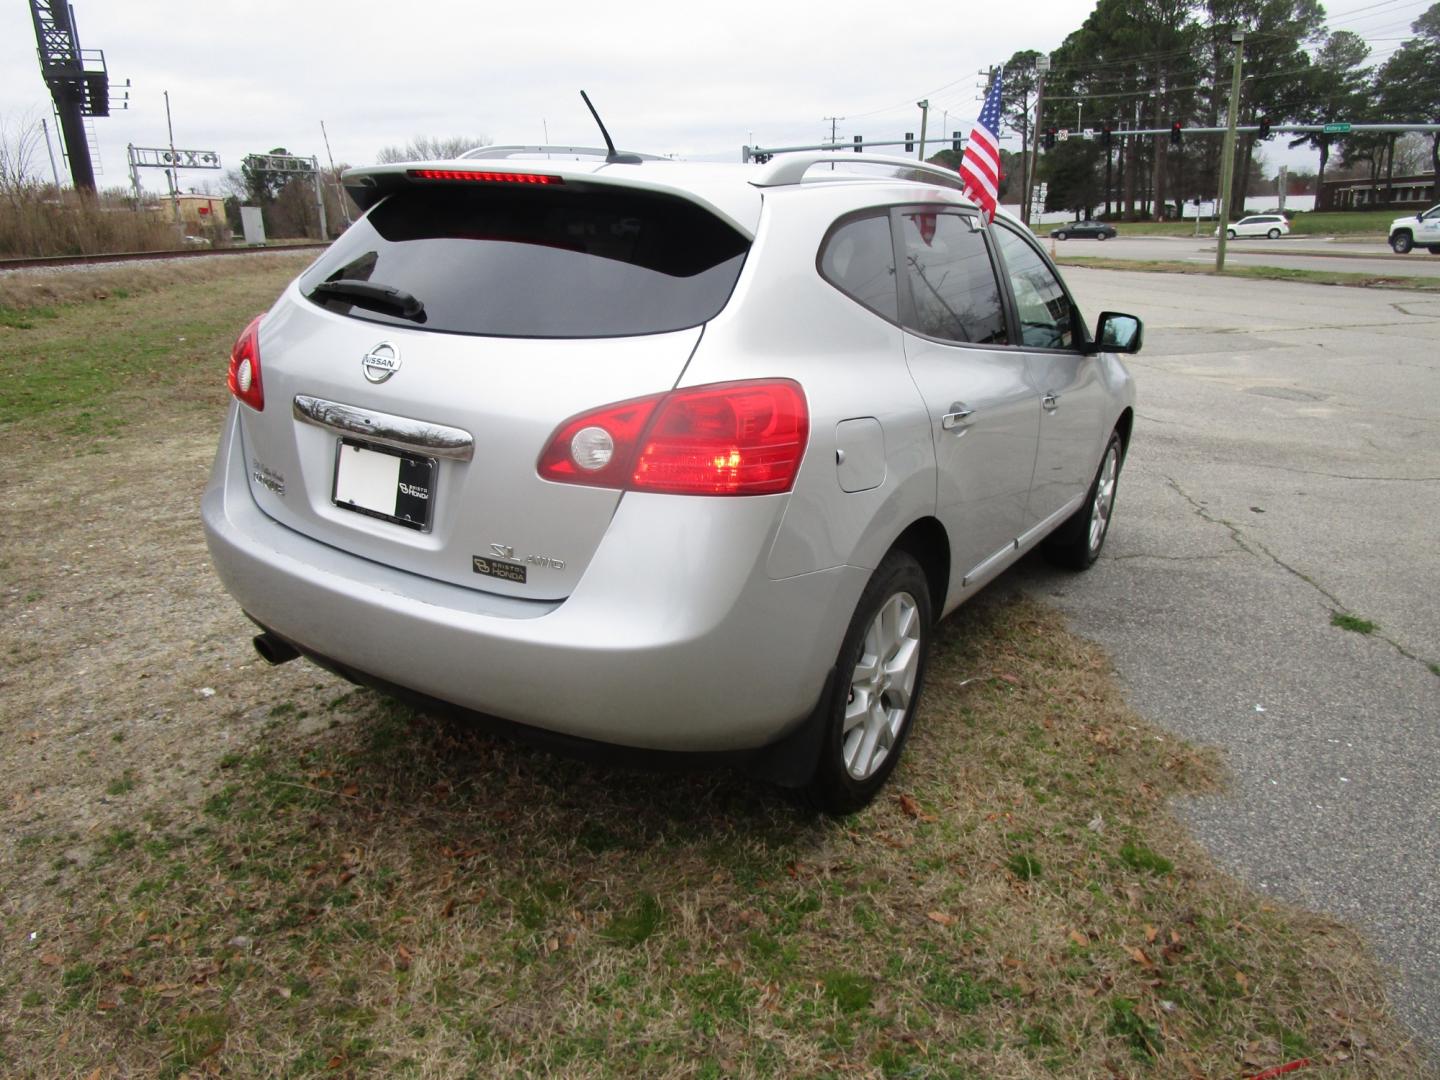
x=274, y=650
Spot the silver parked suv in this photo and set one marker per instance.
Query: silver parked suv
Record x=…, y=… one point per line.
x=659, y=455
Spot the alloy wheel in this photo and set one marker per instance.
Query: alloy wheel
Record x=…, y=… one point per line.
x=882, y=685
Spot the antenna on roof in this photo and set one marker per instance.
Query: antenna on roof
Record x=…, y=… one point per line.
x=614, y=157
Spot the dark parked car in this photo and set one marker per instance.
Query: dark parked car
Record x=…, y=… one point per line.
x=1084, y=230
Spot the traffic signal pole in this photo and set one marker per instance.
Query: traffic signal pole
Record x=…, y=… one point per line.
x=1227, y=157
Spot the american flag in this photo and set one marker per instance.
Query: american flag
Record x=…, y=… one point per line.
x=980, y=167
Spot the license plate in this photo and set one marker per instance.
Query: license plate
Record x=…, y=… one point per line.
x=383, y=483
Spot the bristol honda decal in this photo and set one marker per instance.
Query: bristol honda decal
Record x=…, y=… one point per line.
x=380, y=362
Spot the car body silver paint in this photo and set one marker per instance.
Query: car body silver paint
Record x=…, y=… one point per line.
x=678, y=622
x=619, y=660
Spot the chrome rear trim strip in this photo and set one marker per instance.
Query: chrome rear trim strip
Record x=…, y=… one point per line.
x=400, y=432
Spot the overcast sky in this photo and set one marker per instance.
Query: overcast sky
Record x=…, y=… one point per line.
x=696, y=81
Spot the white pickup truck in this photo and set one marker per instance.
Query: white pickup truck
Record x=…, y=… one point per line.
x=1421, y=230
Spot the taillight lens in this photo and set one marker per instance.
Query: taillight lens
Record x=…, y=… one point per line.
x=742, y=438
x=244, y=376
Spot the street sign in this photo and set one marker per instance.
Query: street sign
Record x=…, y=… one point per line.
x=1336, y=129
x=1063, y=134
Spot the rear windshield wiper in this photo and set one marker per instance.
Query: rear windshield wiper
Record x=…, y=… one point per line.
x=368, y=294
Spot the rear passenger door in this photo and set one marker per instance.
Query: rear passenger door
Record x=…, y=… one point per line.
x=984, y=415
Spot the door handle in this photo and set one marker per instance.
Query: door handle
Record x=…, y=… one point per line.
x=957, y=415
x=1050, y=402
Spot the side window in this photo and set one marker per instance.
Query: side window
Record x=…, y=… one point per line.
x=1047, y=318
x=953, y=287
x=859, y=260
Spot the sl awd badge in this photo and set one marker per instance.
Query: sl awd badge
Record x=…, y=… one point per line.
x=380, y=362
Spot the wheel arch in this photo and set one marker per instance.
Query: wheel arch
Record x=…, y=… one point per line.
x=926, y=541
x=1125, y=425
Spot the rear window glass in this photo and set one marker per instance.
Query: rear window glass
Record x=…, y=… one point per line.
x=535, y=263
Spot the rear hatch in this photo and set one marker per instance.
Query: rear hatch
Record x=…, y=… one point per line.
x=414, y=374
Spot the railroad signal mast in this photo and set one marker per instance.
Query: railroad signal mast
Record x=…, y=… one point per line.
x=78, y=82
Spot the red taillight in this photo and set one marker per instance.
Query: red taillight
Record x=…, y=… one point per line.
x=743, y=438
x=244, y=376
x=484, y=177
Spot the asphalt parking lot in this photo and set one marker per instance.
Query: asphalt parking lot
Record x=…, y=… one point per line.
x=1285, y=466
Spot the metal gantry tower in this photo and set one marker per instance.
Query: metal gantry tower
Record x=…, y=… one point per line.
x=77, y=80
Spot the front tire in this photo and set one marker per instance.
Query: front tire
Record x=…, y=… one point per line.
x=1401, y=243
x=882, y=674
x=1060, y=235
x=1230, y=234
x=1076, y=544
x=1434, y=249
x=1102, y=236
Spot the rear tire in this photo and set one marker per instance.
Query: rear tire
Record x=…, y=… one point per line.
x=1273, y=234
x=1076, y=544
x=1401, y=243
x=881, y=676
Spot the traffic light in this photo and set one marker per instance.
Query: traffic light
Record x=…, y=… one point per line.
x=909, y=142
x=857, y=144
x=1264, y=131
x=1175, y=130
x=955, y=141
x=1106, y=129
x=1050, y=134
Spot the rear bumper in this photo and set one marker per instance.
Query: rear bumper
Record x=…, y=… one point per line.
x=674, y=639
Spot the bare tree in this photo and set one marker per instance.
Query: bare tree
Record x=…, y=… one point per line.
x=20, y=149
x=432, y=148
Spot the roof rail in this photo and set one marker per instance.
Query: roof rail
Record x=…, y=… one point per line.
x=791, y=168
x=518, y=150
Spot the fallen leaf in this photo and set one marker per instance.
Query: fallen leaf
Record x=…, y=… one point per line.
x=448, y=909
x=49, y=959
x=1241, y=980
x=908, y=805
x=335, y=1062
x=349, y=791
x=941, y=918
x=1079, y=939
x=1011, y=679
x=1138, y=955
x=551, y=945
x=1150, y=933
x=403, y=958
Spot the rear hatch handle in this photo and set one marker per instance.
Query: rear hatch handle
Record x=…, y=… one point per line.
x=399, y=432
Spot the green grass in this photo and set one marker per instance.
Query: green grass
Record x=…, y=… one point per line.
x=1352, y=623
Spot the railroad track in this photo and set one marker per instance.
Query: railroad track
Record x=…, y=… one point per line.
x=137, y=256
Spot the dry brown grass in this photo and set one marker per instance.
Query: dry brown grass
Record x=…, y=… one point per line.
x=290, y=877
x=41, y=220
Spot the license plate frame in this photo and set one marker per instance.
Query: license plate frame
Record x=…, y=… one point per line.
x=372, y=477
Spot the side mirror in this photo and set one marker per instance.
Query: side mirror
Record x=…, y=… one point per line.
x=1116, y=333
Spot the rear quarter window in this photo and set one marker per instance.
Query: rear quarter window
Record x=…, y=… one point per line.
x=547, y=262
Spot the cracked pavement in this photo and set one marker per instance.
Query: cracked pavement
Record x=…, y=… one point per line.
x=1285, y=468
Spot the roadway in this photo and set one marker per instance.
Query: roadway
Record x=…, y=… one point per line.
x=1291, y=253
x=1285, y=465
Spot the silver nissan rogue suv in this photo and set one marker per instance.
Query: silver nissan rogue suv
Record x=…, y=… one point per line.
x=659, y=455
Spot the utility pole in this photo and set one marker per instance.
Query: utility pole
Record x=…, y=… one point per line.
x=833, y=121
x=1042, y=67
x=1227, y=157
x=924, y=115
